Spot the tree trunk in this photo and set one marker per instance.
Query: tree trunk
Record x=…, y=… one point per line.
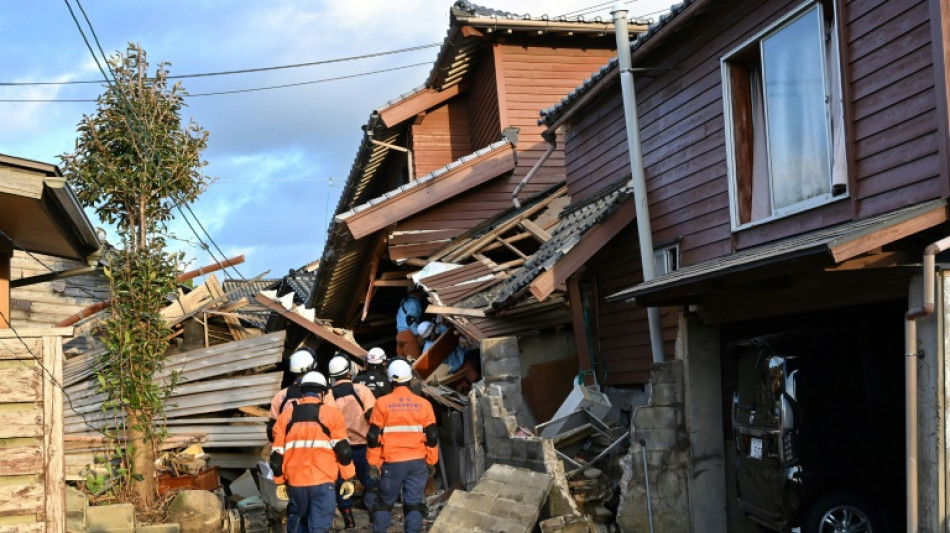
x=142, y=461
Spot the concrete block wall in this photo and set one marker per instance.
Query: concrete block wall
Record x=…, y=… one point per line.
x=661, y=426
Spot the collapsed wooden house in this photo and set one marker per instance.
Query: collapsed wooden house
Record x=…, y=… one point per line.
x=455, y=189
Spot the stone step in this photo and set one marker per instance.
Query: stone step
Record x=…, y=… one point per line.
x=115, y=518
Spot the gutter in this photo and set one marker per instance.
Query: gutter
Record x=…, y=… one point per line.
x=551, y=137
x=910, y=378
x=492, y=24
x=637, y=176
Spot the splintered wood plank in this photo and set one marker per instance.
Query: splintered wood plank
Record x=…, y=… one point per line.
x=426, y=364
x=26, y=422
x=323, y=332
x=16, y=349
x=19, y=381
x=21, y=498
x=25, y=527
x=20, y=461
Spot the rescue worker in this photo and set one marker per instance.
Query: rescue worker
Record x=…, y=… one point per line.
x=310, y=453
x=403, y=450
x=408, y=317
x=374, y=377
x=301, y=362
x=356, y=403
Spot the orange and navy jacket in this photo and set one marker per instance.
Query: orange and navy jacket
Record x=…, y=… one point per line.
x=403, y=417
x=308, y=453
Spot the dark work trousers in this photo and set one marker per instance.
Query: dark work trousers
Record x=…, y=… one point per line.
x=310, y=509
x=362, y=473
x=407, y=478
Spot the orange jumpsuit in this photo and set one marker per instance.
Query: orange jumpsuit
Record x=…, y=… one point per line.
x=402, y=416
x=308, y=453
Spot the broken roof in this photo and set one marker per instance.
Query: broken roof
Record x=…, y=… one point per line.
x=608, y=72
x=344, y=259
x=576, y=221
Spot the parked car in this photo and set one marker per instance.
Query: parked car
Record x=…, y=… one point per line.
x=818, y=426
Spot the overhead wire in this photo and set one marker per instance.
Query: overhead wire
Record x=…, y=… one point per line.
x=238, y=71
x=148, y=140
x=235, y=91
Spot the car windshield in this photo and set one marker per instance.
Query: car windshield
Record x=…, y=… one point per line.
x=761, y=378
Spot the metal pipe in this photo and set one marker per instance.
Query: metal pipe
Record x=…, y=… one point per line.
x=401, y=149
x=910, y=377
x=637, y=177
x=646, y=478
x=534, y=169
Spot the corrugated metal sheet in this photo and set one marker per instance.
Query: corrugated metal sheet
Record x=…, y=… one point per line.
x=816, y=242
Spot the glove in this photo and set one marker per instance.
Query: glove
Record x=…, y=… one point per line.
x=282, y=493
x=374, y=473
x=431, y=470
x=347, y=489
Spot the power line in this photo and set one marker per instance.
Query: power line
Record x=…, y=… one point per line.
x=128, y=115
x=239, y=71
x=235, y=91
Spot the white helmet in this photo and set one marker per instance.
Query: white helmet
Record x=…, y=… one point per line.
x=399, y=371
x=313, y=381
x=425, y=328
x=339, y=366
x=376, y=356
x=301, y=361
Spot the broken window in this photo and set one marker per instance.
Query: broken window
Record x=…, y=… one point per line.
x=784, y=120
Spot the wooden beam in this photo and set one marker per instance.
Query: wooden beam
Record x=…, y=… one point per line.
x=855, y=247
x=320, y=331
x=580, y=329
x=457, y=311
x=591, y=242
x=881, y=260
x=468, y=31
x=426, y=364
x=536, y=230
x=393, y=283
x=418, y=103
x=371, y=289
x=431, y=193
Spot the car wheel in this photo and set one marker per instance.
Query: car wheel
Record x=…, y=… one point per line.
x=843, y=513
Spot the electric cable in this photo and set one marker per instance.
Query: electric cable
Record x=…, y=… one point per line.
x=239, y=71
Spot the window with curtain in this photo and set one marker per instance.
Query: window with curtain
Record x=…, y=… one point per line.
x=784, y=118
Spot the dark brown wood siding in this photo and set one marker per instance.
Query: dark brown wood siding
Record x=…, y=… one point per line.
x=895, y=140
x=440, y=137
x=483, y=105
x=531, y=79
x=622, y=333
x=889, y=77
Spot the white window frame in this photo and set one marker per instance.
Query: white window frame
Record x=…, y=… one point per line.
x=668, y=254
x=836, y=92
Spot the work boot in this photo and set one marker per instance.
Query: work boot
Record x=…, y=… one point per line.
x=348, y=520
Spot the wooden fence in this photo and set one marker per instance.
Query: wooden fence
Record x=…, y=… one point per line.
x=32, y=482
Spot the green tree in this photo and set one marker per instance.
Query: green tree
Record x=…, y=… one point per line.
x=135, y=163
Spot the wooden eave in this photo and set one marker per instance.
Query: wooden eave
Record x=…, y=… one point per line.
x=40, y=212
x=418, y=103
x=428, y=192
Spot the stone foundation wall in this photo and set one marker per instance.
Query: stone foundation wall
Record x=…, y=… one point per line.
x=660, y=426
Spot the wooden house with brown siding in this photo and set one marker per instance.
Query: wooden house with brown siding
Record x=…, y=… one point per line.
x=796, y=164
x=446, y=163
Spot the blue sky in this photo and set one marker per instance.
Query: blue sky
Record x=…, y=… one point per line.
x=280, y=156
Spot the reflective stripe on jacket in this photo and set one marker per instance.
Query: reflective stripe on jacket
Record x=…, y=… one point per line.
x=403, y=417
x=309, y=458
